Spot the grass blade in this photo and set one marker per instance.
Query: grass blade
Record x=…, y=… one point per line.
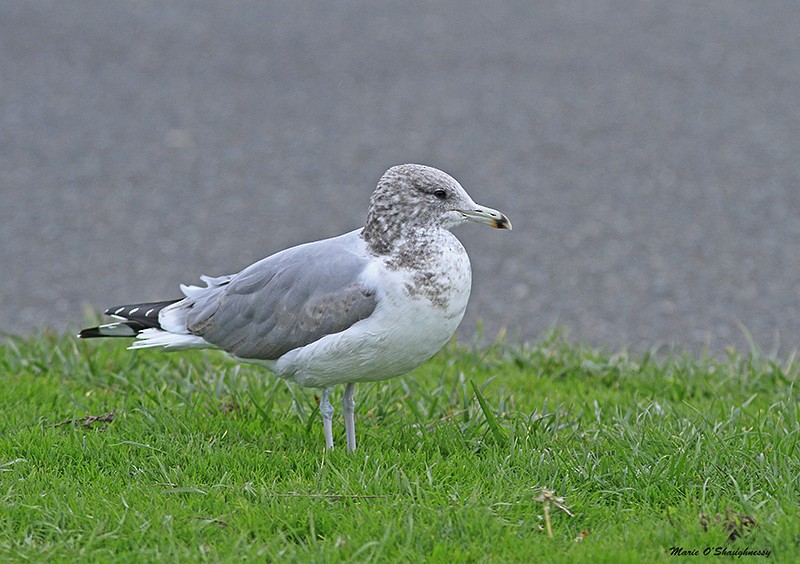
x=497, y=431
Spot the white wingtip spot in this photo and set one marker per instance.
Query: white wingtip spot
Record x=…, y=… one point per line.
x=134, y=310
x=119, y=310
x=148, y=312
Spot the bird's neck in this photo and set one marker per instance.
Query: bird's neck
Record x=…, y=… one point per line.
x=379, y=235
x=390, y=238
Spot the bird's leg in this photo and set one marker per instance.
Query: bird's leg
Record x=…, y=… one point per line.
x=348, y=407
x=326, y=410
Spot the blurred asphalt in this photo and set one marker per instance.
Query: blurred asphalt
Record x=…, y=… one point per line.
x=647, y=153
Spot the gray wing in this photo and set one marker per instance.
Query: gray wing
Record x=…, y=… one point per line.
x=284, y=301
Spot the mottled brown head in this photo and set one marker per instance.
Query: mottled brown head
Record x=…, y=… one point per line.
x=411, y=197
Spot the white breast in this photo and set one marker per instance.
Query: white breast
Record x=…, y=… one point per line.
x=417, y=313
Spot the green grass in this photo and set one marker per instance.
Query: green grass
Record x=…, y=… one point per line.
x=206, y=460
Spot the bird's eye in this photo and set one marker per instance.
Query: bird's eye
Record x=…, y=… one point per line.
x=441, y=194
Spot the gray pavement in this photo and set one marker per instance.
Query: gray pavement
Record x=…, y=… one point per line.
x=647, y=153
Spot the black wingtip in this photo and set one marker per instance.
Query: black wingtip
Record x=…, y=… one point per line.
x=118, y=329
x=145, y=313
x=90, y=333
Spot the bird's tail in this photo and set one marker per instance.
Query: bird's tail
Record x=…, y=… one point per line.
x=134, y=319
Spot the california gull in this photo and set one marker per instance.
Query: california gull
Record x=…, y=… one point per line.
x=368, y=305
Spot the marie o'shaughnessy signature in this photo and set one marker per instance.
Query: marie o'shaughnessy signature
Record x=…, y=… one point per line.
x=718, y=551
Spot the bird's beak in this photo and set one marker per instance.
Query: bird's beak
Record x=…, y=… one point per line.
x=481, y=214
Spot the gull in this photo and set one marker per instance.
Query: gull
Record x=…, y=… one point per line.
x=365, y=306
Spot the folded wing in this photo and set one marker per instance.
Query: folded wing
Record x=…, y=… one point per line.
x=282, y=302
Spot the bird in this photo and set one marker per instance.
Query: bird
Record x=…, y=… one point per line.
x=368, y=305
